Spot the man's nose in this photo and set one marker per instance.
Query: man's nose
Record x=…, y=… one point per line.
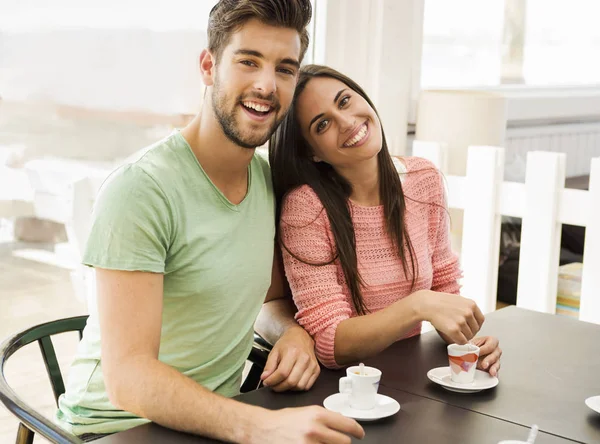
x=265, y=82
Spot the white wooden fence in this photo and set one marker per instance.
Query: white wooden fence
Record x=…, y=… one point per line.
x=543, y=204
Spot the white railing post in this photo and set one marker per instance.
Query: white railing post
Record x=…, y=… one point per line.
x=589, y=308
x=436, y=153
x=481, y=226
x=543, y=204
x=540, y=231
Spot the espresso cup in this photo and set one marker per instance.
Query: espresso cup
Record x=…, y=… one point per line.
x=463, y=362
x=361, y=388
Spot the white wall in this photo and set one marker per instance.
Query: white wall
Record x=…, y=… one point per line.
x=378, y=44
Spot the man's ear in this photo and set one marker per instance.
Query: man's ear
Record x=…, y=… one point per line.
x=208, y=67
x=317, y=159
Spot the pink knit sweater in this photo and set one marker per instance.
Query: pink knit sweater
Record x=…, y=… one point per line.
x=320, y=292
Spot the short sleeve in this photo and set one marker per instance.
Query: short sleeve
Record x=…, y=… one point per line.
x=131, y=224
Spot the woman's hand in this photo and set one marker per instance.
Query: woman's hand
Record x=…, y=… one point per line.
x=489, y=354
x=457, y=318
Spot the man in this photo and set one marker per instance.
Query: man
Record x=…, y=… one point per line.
x=183, y=241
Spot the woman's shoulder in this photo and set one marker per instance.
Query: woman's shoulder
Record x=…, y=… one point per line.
x=304, y=194
x=422, y=179
x=301, y=204
x=414, y=164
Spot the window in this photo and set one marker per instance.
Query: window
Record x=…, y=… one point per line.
x=562, y=42
x=28, y=15
x=96, y=80
x=494, y=42
x=117, y=55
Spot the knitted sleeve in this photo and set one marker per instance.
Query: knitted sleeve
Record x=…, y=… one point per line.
x=308, y=252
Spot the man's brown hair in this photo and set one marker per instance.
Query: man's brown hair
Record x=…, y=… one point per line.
x=228, y=16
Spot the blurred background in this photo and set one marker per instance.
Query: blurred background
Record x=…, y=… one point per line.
x=85, y=85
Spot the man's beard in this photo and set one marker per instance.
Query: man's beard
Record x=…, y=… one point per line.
x=230, y=126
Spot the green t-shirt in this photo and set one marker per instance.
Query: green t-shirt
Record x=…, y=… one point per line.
x=162, y=214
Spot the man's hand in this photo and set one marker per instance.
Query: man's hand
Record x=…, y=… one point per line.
x=306, y=425
x=489, y=354
x=292, y=364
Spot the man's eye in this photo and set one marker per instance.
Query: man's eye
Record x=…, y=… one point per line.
x=286, y=71
x=247, y=63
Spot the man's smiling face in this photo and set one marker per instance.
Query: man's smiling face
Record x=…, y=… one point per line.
x=254, y=82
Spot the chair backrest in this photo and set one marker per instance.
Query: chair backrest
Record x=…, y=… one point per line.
x=544, y=205
x=258, y=358
x=42, y=334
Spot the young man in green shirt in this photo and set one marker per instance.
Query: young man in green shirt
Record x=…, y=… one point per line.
x=183, y=246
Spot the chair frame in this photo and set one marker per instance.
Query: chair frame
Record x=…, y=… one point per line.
x=258, y=356
x=31, y=421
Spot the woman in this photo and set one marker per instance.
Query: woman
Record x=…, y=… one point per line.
x=364, y=236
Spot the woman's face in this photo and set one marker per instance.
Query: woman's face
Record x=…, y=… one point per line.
x=339, y=125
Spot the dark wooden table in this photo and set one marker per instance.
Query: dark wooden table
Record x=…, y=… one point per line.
x=550, y=365
x=420, y=420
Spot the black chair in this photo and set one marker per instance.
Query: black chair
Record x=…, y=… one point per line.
x=30, y=420
x=258, y=357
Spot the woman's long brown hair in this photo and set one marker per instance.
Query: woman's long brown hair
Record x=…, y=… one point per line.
x=292, y=166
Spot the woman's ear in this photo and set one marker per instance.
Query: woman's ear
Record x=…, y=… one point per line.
x=317, y=159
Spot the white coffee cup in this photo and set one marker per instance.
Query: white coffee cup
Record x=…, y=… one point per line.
x=361, y=387
x=463, y=362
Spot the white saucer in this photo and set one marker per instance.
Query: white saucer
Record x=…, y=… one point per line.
x=512, y=441
x=593, y=403
x=385, y=407
x=483, y=381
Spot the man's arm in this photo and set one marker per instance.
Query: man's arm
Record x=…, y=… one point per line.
x=277, y=313
x=130, y=308
x=292, y=363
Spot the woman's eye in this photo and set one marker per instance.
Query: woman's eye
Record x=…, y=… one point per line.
x=322, y=125
x=344, y=101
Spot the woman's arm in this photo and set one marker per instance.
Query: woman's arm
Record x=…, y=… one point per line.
x=316, y=291
x=455, y=317
x=324, y=310
x=361, y=337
